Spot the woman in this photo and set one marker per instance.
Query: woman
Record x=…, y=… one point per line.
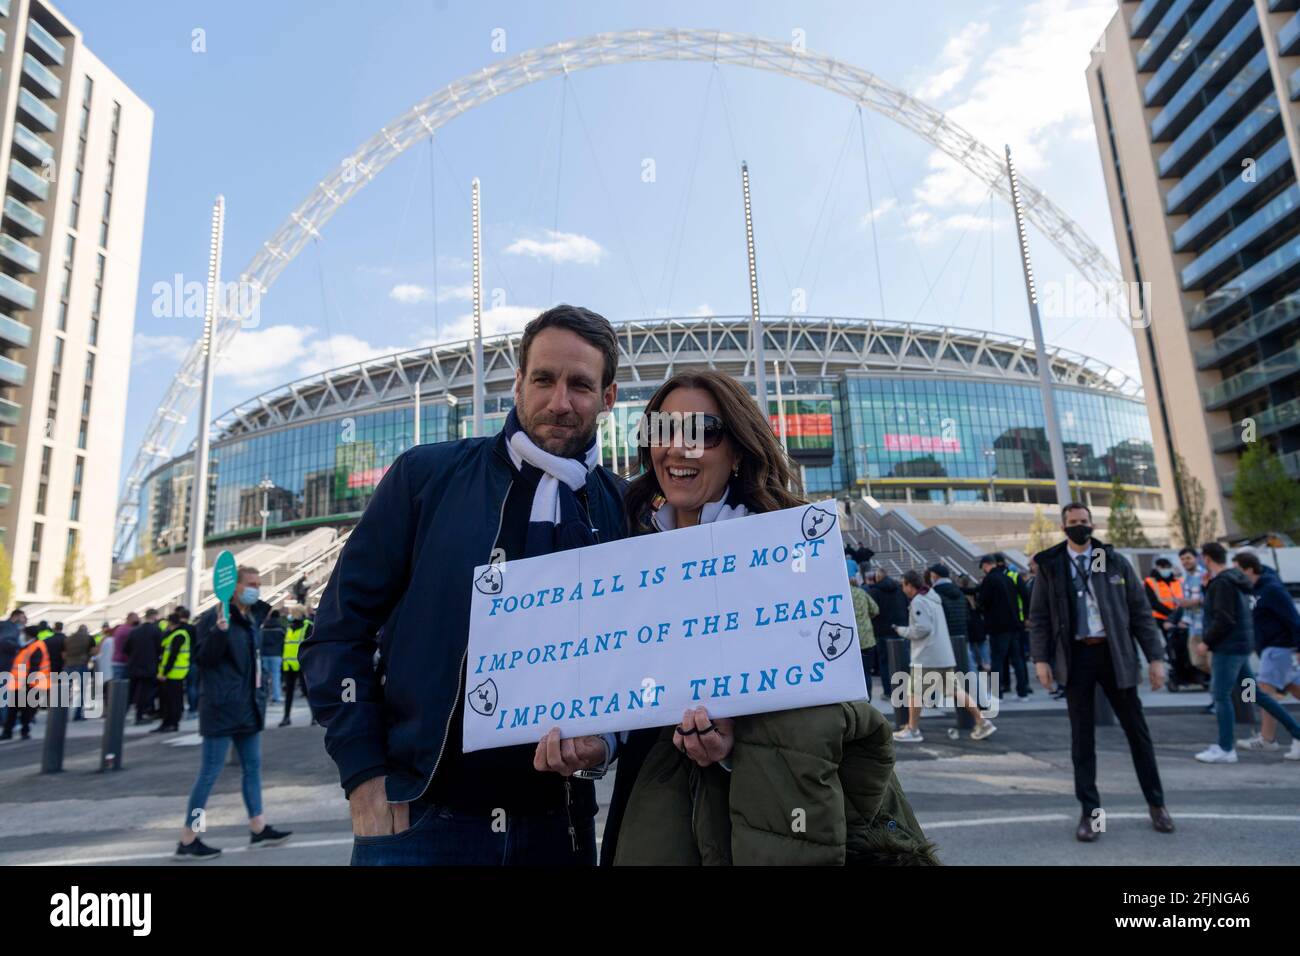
x=720, y=791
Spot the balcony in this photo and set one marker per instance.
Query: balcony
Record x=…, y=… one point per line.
x=1249, y=332
x=39, y=113
x=1271, y=166
x=44, y=41
x=1277, y=263
x=14, y=333
x=1206, y=31
x=1246, y=86
x=42, y=76
x=33, y=145
x=20, y=295
x=1261, y=375
x=4, y=8
x=1268, y=422
x=1262, y=120
x=1288, y=38
x=20, y=254
x=33, y=184
x=1290, y=464
x=11, y=413
x=1164, y=35
x=12, y=373
x=24, y=216
x=1263, y=224
x=1240, y=43
x=8, y=453
x=1146, y=18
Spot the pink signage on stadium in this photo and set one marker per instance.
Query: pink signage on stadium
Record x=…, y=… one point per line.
x=921, y=443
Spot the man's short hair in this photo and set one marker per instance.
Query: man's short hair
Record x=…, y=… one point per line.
x=913, y=577
x=1163, y=563
x=999, y=557
x=1075, y=505
x=1248, y=561
x=589, y=326
x=1191, y=551
x=181, y=614
x=244, y=570
x=939, y=570
x=152, y=612
x=987, y=559
x=1215, y=552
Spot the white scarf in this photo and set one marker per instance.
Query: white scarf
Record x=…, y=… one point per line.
x=546, y=501
x=665, y=519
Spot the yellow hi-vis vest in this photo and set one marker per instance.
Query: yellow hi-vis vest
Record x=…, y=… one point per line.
x=293, y=636
x=180, y=668
x=1020, y=600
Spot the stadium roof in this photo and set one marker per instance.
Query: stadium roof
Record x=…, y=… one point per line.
x=651, y=350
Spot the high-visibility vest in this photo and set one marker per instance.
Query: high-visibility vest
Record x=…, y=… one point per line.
x=98, y=639
x=293, y=636
x=21, y=667
x=1020, y=601
x=1166, y=592
x=47, y=633
x=180, y=668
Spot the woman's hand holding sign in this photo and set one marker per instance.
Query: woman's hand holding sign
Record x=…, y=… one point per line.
x=704, y=741
x=570, y=755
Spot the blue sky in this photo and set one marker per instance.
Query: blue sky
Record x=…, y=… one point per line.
x=285, y=90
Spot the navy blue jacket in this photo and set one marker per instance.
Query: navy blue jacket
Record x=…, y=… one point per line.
x=230, y=702
x=1228, y=625
x=1277, y=622
x=402, y=585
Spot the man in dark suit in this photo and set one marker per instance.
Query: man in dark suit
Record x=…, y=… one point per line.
x=1087, y=615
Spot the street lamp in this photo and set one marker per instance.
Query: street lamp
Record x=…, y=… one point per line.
x=866, y=466
x=266, y=484
x=991, y=456
x=1074, y=459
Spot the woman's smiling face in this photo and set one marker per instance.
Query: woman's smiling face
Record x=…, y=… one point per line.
x=691, y=478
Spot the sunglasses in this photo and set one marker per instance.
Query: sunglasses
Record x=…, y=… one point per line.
x=693, y=430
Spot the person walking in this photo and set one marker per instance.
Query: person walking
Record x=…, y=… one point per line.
x=1277, y=638
x=76, y=660
x=1229, y=634
x=999, y=602
x=273, y=654
x=892, y=602
x=864, y=609
x=29, y=678
x=232, y=709
x=408, y=567
x=173, y=668
x=1087, y=616
x=143, y=645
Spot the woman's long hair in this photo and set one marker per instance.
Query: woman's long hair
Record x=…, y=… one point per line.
x=767, y=480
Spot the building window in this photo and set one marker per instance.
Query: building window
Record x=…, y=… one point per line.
x=81, y=435
x=33, y=566
x=74, y=212
x=56, y=373
x=69, y=247
x=112, y=172
x=75, y=511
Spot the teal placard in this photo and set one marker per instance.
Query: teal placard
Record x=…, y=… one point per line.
x=224, y=575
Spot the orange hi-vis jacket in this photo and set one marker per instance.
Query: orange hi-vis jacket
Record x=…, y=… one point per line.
x=22, y=670
x=1166, y=592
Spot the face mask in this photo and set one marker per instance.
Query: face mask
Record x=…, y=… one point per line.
x=1166, y=575
x=1079, y=533
x=248, y=596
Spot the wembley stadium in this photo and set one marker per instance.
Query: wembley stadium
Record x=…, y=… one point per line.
x=926, y=415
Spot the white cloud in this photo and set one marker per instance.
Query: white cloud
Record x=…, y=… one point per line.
x=147, y=348
x=954, y=62
x=270, y=356
x=505, y=318
x=883, y=208
x=560, y=247
x=703, y=310
x=463, y=292
x=408, y=293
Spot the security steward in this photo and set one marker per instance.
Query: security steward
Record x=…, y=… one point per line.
x=173, y=668
x=299, y=628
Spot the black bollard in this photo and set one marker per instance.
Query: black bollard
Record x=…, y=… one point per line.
x=898, y=653
x=964, y=720
x=117, y=695
x=56, y=730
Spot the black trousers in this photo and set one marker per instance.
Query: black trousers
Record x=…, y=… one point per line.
x=289, y=681
x=171, y=696
x=1091, y=666
x=12, y=715
x=1006, y=658
x=142, y=691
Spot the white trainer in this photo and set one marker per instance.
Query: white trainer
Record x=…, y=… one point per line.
x=985, y=729
x=1257, y=742
x=908, y=736
x=1216, y=754
x=1294, y=752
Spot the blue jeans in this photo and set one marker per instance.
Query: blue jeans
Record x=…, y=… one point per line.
x=1227, y=671
x=271, y=676
x=249, y=748
x=119, y=671
x=440, y=836
x=192, y=690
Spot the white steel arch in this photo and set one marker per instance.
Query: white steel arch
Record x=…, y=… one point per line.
x=712, y=46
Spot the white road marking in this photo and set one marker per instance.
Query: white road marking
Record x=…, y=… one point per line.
x=1058, y=817
x=129, y=857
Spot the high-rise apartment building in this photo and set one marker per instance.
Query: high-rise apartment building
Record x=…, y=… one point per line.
x=1197, y=107
x=74, y=145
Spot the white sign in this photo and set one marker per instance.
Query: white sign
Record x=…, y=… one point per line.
x=743, y=616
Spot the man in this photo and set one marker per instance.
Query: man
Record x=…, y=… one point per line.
x=1193, y=594
x=1020, y=645
x=273, y=653
x=120, y=669
x=408, y=568
x=173, y=668
x=864, y=609
x=1086, y=616
x=300, y=627
x=892, y=602
x=232, y=709
x=956, y=612
x=1229, y=632
x=999, y=602
x=932, y=661
x=76, y=660
x=11, y=641
x=54, y=639
x=1277, y=636
x=29, y=676
x=143, y=645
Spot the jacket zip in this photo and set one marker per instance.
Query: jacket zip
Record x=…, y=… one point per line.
x=460, y=673
x=568, y=813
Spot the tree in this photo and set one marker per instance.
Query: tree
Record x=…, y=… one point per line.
x=140, y=567
x=1264, y=498
x=1192, y=522
x=73, y=583
x=1123, y=528
x=1042, y=533
x=6, y=580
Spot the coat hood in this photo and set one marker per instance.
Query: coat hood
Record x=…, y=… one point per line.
x=1238, y=578
x=887, y=584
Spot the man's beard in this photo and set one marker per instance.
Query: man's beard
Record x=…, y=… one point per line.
x=572, y=447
